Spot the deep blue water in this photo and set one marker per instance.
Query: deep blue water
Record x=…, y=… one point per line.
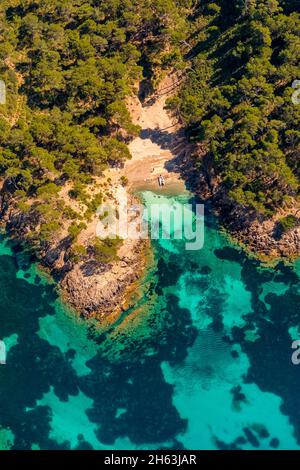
x=202, y=362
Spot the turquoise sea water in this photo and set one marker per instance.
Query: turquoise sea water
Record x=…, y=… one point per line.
x=202, y=362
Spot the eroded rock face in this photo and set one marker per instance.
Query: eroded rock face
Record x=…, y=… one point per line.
x=259, y=234
x=104, y=290
x=91, y=287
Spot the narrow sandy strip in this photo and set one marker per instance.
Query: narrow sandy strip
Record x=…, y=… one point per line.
x=161, y=144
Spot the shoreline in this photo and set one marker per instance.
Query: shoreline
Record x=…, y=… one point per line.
x=161, y=144
x=255, y=233
x=160, y=149
x=92, y=289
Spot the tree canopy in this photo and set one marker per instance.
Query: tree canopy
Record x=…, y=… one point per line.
x=244, y=57
x=68, y=66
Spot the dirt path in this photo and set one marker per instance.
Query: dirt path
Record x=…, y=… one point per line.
x=160, y=145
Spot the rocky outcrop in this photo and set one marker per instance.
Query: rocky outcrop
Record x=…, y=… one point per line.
x=93, y=288
x=259, y=234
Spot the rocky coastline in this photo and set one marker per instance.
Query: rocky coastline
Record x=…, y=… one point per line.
x=261, y=236
x=98, y=289
x=92, y=288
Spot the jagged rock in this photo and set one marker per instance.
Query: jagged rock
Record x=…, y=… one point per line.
x=91, y=287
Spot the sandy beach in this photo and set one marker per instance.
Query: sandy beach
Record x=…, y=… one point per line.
x=160, y=145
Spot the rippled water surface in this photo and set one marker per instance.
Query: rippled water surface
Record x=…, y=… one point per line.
x=202, y=362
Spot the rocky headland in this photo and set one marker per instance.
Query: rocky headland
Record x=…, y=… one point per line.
x=264, y=237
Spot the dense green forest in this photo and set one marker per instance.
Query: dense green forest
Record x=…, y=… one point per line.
x=243, y=59
x=70, y=64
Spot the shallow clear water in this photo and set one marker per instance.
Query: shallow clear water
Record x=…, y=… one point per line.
x=202, y=362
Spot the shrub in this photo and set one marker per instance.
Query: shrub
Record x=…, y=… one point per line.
x=288, y=223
